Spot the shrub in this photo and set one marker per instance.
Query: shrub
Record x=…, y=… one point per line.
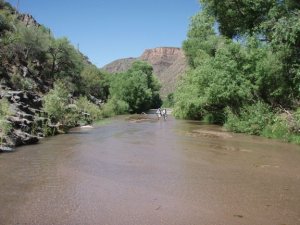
x=214, y=118
x=3, y=24
x=279, y=129
x=251, y=119
x=285, y=126
x=95, y=82
x=5, y=126
x=115, y=107
x=169, y=101
x=88, y=112
x=58, y=107
x=55, y=102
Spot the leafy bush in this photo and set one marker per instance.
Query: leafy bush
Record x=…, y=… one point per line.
x=217, y=117
x=58, y=108
x=88, y=112
x=115, y=107
x=4, y=25
x=279, y=129
x=286, y=127
x=5, y=126
x=169, y=101
x=67, y=112
x=251, y=119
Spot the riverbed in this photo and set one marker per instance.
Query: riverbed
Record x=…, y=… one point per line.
x=151, y=172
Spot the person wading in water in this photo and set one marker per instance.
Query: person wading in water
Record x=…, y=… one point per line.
x=161, y=113
x=164, y=114
x=158, y=113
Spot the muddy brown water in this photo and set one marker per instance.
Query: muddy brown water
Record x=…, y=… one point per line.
x=149, y=172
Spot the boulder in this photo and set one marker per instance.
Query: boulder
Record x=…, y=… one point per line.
x=6, y=149
x=23, y=138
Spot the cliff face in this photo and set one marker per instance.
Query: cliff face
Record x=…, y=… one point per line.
x=160, y=53
x=25, y=105
x=28, y=20
x=168, y=64
x=119, y=65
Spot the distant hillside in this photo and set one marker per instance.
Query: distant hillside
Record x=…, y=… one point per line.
x=119, y=65
x=168, y=64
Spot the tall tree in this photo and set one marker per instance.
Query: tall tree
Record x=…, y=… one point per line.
x=137, y=87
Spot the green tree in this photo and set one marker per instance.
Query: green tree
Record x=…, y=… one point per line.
x=58, y=107
x=65, y=63
x=228, y=14
x=33, y=42
x=248, y=71
x=137, y=87
x=64, y=58
x=4, y=25
x=24, y=45
x=202, y=39
x=95, y=82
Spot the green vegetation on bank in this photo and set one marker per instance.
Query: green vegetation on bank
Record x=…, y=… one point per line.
x=31, y=59
x=244, y=67
x=137, y=90
x=134, y=91
x=73, y=91
x=168, y=102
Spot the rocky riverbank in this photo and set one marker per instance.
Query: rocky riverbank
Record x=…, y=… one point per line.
x=32, y=62
x=24, y=119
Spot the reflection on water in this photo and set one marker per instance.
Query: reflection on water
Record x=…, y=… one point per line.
x=145, y=171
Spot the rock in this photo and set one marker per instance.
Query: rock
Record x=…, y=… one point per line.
x=19, y=122
x=153, y=55
x=23, y=138
x=28, y=20
x=24, y=106
x=119, y=65
x=87, y=127
x=15, y=98
x=6, y=149
x=95, y=100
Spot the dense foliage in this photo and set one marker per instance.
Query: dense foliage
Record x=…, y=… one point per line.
x=244, y=64
x=67, y=112
x=32, y=60
x=95, y=82
x=137, y=88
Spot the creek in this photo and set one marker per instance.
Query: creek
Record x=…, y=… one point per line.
x=147, y=171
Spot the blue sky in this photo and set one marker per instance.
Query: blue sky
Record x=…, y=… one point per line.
x=111, y=29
